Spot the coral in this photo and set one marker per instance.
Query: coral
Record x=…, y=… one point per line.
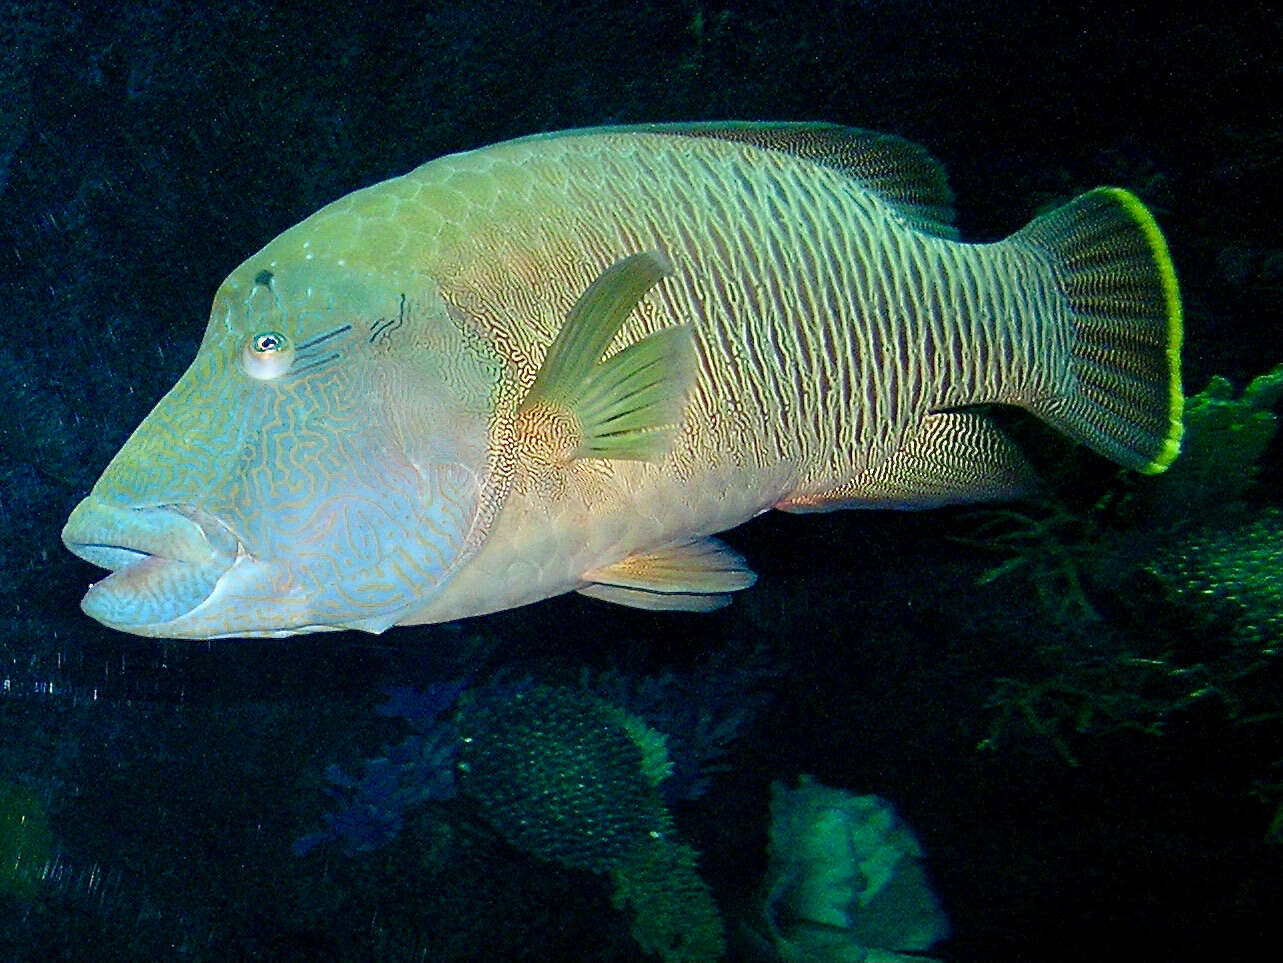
x=1046, y=543
x=1224, y=440
x=419, y=769
x=1203, y=614
x=573, y=779
x=1228, y=578
x=657, y=762
x=555, y=772
x=701, y=712
x=1081, y=696
x=674, y=915
x=845, y=879
x=1186, y=576
x=1061, y=551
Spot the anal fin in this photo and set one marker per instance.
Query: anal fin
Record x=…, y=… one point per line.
x=694, y=576
x=953, y=457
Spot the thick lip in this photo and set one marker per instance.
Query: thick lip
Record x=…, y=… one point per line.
x=114, y=537
x=164, y=559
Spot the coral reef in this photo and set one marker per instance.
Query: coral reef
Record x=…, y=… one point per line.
x=1166, y=594
x=417, y=770
x=1227, y=579
x=701, y=712
x=674, y=915
x=559, y=773
x=1225, y=439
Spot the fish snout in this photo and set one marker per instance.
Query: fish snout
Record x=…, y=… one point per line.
x=165, y=560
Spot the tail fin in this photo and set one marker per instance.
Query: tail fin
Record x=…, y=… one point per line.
x=1123, y=397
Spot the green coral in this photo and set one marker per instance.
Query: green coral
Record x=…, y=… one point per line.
x=573, y=779
x=1048, y=545
x=1207, y=607
x=1165, y=594
x=1228, y=579
x=1111, y=691
x=674, y=915
x=657, y=765
x=1224, y=440
x=556, y=773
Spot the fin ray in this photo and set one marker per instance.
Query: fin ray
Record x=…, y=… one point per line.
x=655, y=601
x=633, y=401
x=593, y=321
x=677, y=577
x=629, y=405
x=1123, y=397
x=902, y=173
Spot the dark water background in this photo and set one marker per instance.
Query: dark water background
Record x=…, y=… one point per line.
x=147, y=148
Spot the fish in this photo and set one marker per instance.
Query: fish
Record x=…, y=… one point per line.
x=566, y=362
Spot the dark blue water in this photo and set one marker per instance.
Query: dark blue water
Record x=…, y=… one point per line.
x=1087, y=747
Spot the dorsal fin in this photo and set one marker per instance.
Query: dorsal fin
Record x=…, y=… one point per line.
x=903, y=173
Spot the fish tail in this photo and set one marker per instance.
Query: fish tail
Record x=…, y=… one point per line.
x=1122, y=393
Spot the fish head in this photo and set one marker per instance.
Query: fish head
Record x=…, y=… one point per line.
x=325, y=463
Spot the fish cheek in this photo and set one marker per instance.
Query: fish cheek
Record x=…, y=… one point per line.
x=442, y=439
x=319, y=495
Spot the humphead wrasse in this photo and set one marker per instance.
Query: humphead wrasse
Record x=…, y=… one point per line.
x=563, y=363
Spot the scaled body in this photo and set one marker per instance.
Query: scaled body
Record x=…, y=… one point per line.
x=562, y=363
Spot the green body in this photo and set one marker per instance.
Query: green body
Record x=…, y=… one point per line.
x=376, y=431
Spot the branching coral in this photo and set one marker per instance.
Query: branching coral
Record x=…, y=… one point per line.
x=1188, y=576
x=419, y=769
x=1049, y=546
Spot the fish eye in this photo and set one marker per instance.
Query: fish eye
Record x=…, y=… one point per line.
x=267, y=355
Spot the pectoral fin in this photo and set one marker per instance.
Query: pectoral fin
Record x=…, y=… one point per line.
x=694, y=576
x=629, y=405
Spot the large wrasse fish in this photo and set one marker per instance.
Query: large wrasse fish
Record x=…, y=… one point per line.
x=562, y=363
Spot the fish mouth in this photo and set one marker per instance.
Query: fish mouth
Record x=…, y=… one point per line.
x=165, y=560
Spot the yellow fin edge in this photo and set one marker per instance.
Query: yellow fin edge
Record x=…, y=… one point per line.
x=1166, y=269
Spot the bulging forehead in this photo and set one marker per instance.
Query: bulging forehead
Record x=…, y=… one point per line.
x=307, y=297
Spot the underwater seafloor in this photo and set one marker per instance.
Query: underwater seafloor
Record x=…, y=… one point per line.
x=1074, y=704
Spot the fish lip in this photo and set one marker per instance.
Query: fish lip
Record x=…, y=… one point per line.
x=164, y=560
x=116, y=537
